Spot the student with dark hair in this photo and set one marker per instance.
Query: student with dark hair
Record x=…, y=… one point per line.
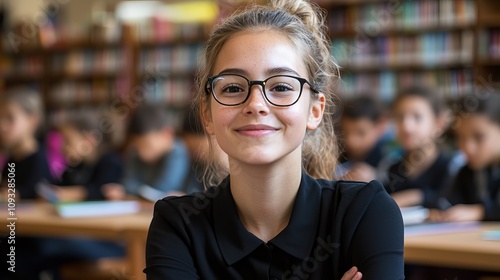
x=21, y=116
x=423, y=171
x=156, y=159
x=91, y=166
x=475, y=192
x=363, y=126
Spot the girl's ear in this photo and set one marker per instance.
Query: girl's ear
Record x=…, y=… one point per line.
x=206, y=119
x=316, y=111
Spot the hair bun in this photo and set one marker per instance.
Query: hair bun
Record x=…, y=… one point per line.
x=311, y=15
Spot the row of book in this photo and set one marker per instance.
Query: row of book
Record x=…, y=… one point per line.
x=88, y=61
x=402, y=15
x=27, y=66
x=69, y=93
x=165, y=59
x=160, y=30
x=427, y=50
x=176, y=92
x=489, y=43
x=449, y=83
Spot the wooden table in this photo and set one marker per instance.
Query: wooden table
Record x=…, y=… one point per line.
x=459, y=250
x=40, y=219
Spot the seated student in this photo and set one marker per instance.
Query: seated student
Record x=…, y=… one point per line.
x=157, y=159
x=475, y=192
x=90, y=167
x=423, y=171
x=21, y=115
x=362, y=128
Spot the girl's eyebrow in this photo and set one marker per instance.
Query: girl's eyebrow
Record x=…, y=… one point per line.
x=269, y=72
x=281, y=70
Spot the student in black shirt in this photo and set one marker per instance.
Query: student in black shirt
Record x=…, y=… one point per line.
x=423, y=171
x=475, y=192
x=264, y=85
x=91, y=168
x=21, y=116
x=363, y=126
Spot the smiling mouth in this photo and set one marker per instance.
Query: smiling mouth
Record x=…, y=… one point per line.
x=256, y=130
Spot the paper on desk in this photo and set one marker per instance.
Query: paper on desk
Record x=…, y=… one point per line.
x=97, y=208
x=440, y=228
x=414, y=215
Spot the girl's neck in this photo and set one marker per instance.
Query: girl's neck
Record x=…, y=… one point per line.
x=24, y=148
x=264, y=195
x=416, y=161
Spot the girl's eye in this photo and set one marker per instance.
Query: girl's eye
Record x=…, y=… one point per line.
x=281, y=88
x=232, y=89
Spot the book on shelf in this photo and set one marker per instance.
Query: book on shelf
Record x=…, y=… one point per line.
x=372, y=18
x=385, y=84
x=78, y=62
x=165, y=59
x=425, y=50
x=489, y=43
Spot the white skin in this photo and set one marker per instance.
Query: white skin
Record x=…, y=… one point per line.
x=264, y=162
x=417, y=128
x=477, y=138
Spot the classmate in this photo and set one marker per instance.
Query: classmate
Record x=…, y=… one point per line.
x=263, y=87
x=363, y=126
x=157, y=159
x=91, y=166
x=475, y=191
x=21, y=115
x=423, y=171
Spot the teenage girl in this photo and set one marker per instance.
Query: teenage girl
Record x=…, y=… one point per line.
x=423, y=170
x=263, y=87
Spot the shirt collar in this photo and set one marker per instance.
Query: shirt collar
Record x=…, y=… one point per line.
x=297, y=239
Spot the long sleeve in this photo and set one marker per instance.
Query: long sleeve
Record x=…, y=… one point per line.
x=108, y=170
x=168, y=256
x=377, y=245
x=174, y=170
x=131, y=180
x=491, y=210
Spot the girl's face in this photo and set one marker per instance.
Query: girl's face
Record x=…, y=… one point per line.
x=15, y=124
x=477, y=138
x=257, y=132
x=416, y=123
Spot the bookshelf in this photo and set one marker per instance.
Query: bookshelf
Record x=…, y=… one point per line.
x=93, y=73
x=383, y=46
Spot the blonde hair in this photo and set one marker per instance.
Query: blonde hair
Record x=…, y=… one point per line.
x=303, y=23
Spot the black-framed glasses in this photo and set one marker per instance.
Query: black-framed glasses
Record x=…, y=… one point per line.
x=234, y=89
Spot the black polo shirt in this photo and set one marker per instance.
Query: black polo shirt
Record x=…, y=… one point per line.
x=333, y=226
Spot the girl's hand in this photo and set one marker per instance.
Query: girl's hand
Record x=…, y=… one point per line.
x=464, y=212
x=352, y=274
